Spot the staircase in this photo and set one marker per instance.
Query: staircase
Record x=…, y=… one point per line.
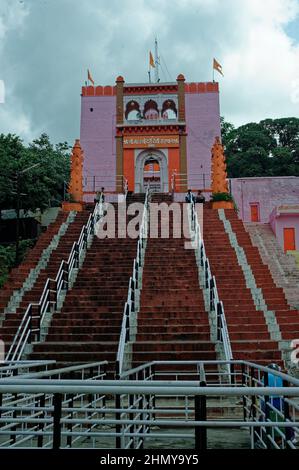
x=88, y=327
x=172, y=322
x=287, y=318
x=247, y=326
x=12, y=319
x=18, y=276
x=283, y=267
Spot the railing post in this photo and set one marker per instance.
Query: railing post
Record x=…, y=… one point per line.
x=85, y=237
x=30, y=324
x=267, y=411
x=243, y=385
x=127, y=323
x=132, y=295
x=57, y=403
x=56, y=295
x=118, y=425
x=206, y=274
x=218, y=321
x=66, y=273
x=40, y=438
x=70, y=426
x=232, y=373
x=200, y=403
x=76, y=255
x=201, y=255
x=142, y=402
x=286, y=412
x=212, y=285
x=39, y=319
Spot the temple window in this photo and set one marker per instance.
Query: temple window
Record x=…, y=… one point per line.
x=151, y=110
x=169, y=110
x=132, y=111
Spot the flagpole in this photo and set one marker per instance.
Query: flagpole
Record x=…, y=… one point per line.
x=213, y=73
x=156, y=61
x=149, y=76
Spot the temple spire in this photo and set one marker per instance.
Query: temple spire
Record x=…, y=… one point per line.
x=219, y=174
x=76, y=183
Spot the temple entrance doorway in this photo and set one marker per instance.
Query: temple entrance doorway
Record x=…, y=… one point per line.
x=151, y=169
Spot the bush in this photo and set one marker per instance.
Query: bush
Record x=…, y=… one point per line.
x=7, y=257
x=221, y=197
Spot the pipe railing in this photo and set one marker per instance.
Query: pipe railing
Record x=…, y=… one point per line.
x=130, y=310
x=54, y=411
x=216, y=305
x=31, y=324
x=93, y=183
x=196, y=181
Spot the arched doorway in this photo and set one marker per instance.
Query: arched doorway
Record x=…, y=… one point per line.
x=152, y=174
x=151, y=168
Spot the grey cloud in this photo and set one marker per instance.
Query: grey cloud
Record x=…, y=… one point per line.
x=44, y=61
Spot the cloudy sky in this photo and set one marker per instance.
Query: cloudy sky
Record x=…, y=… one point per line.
x=46, y=47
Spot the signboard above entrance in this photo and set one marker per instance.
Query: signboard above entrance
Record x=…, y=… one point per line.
x=151, y=141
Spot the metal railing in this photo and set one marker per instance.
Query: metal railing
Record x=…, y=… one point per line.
x=30, y=327
x=142, y=410
x=43, y=408
x=216, y=305
x=180, y=182
x=130, y=309
x=13, y=368
x=94, y=183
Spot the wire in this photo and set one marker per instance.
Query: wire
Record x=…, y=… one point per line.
x=166, y=68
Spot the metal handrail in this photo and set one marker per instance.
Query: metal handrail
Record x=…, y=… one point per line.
x=24, y=332
x=62, y=410
x=179, y=180
x=216, y=304
x=130, y=306
x=96, y=181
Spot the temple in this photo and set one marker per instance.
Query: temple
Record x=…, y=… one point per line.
x=167, y=136
x=155, y=133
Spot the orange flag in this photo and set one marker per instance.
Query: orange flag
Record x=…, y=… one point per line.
x=89, y=77
x=151, y=60
x=217, y=66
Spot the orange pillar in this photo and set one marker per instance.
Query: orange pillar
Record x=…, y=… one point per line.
x=219, y=175
x=76, y=184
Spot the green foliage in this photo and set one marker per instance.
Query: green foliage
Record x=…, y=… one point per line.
x=268, y=148
x=43, y=185
x=221, y=197
x=7, y=257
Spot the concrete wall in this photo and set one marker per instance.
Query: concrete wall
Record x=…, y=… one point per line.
x=267, y=192
x=97, y=137
x=203, y=125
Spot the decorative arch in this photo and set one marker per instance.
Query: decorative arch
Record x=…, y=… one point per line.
x=132, y=110
x=140, y=160
x=151, y=110
x=169, y=110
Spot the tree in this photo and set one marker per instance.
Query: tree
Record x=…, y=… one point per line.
x=268, y=148
x=226, y=129
x=43, y=185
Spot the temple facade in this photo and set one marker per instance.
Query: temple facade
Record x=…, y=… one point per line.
x=159, y=134
x=167, y=136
